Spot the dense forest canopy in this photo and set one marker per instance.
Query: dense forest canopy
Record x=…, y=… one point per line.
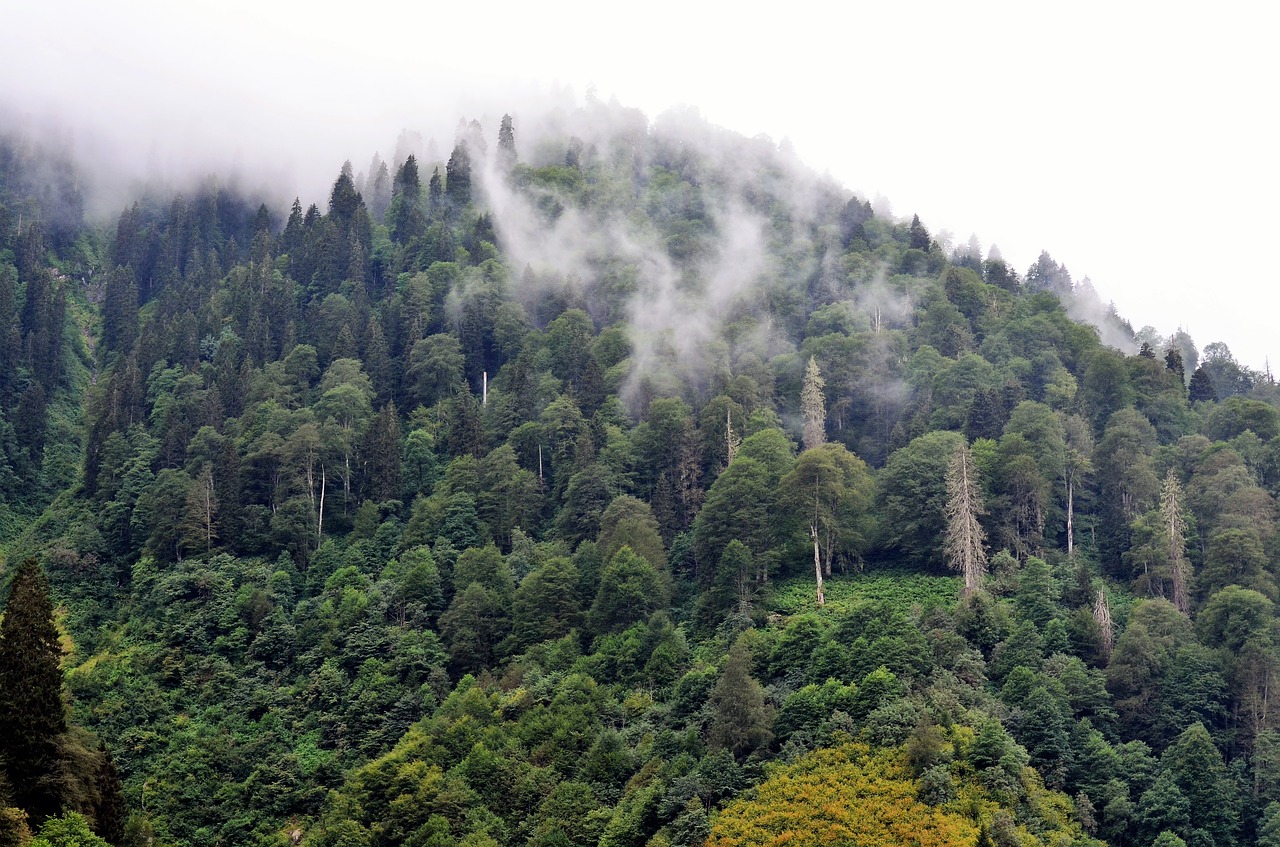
x=626, y=484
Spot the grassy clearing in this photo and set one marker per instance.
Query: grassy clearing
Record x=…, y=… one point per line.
x=903, y=589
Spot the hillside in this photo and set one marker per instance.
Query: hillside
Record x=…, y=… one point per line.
x=625, y=484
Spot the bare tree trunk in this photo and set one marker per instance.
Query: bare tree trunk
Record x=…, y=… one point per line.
x=963, y=544
x=1102, y=614
x=817, y=564
x=1175, y=527
x=1071, y=513
x=320, y=518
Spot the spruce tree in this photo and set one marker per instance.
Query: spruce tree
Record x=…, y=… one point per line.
x=32, y=715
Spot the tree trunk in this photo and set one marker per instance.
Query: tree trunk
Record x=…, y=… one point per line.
x=817, y=564
x=1071, y=511
x=320, y=517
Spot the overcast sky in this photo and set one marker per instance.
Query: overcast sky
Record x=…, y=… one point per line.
x=1137, y=143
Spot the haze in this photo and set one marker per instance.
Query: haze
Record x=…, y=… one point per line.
x=1135, y=144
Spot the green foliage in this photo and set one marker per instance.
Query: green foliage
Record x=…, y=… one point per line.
x=70, y=830
x=366, y=532
x=32, y=715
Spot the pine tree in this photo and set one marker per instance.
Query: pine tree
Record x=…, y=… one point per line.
x=963, y=545
x=32, y=715
x=813, y=406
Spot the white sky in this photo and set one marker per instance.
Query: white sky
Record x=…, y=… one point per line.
x=1135, y=142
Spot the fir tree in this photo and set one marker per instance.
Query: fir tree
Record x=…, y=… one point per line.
x=32, y=715
x=919, y=235
x=457, y=180
x=1200, y=389
x=1173, y=363
x=813, y=406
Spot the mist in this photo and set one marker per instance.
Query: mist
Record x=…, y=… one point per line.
x=273, y=99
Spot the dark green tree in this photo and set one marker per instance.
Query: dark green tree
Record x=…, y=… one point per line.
x=506, y=142
x=457, y=182
x=631, y=589
x=32, y=714
x=109, y=810
x=1200, y=389
x=740, y=717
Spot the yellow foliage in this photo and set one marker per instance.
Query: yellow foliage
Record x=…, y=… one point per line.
x=856, y=795
x=847, y=795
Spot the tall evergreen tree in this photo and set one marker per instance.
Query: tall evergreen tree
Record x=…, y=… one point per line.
x=457, y=181
x=506, y=142
x=919, y=234
x=813, y=406
x=1200, y=389
x=32, y=715
x=109, y=810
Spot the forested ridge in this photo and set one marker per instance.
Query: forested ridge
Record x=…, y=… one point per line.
x=625, y=484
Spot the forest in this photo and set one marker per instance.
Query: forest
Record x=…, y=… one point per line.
x=626, y=484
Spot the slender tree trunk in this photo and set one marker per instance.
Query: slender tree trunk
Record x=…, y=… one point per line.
x=320, y=517
x=1102, y=614
x=1175, y=527
x=817, y=564
x=826, y=559
x=1071, y=512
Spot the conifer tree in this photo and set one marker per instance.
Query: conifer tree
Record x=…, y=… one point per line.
x=741, y=717
x=109, y=810
x=1201, y=389
x=919, y=234
x=457, y=181
x=506, y=142
x=813, y=406
x=32, y=715
x=964, y=535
